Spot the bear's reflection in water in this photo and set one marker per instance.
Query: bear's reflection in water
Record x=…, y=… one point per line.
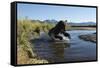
x=58, y=51
x=51, y=51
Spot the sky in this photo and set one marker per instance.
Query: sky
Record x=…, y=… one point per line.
x=44, y=12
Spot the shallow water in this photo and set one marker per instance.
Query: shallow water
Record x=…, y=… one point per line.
x=76, y=50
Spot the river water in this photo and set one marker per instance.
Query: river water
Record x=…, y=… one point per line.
x=76, y=50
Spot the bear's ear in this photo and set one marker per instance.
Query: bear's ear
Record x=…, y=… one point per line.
x=66, y=21
x=60, y=23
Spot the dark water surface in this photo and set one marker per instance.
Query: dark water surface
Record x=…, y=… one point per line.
x=76, y=50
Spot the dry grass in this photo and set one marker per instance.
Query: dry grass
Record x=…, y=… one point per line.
x=25, y=32
x=25, y=57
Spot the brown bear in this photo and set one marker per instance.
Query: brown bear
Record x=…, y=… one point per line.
x=58, y=29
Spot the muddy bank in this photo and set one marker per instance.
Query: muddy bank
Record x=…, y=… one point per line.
x=89, y=37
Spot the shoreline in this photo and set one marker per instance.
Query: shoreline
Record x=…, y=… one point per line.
x=81, y=28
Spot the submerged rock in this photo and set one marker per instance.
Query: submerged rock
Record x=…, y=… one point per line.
x=88, y=37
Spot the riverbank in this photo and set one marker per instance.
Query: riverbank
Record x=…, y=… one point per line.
x=28, y=56
x=27, y=30
x=89, y=37
x=81, y=28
